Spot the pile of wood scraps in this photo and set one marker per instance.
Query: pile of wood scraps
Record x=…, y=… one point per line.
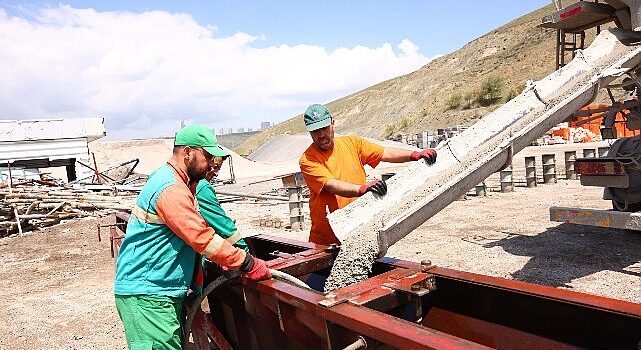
x=25, y=207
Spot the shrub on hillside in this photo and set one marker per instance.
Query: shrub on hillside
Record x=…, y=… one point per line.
x=405, y=122
x=389, y=130
x=454, y=101
x=490, y=91
x=468, y=99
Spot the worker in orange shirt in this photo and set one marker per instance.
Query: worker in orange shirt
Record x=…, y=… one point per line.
x=333, y=169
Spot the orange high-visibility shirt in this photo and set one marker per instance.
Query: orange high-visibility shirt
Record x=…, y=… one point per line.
x=345, y=162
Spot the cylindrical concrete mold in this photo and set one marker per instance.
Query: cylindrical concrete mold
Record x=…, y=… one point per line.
x=588, y=153
x=549, y=168
x=296, y=216
x=570, y=159
x=603, y=151
x=507, y=184
x=480, y=189
x=530, y=171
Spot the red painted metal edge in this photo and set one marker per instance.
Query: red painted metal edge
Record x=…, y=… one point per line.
x=544, y=292
x=371, y=323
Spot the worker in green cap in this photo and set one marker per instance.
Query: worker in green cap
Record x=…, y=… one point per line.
x=209, y=207
x=159, y=259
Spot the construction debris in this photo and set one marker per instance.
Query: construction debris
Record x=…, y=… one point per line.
x=26, y=206
x=268, y=222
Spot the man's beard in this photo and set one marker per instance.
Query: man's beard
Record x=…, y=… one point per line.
x=325, y=144
x=193, y=173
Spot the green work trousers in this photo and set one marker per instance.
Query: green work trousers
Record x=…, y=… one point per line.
x=151, y=322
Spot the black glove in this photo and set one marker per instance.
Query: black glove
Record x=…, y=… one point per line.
x=377, y=186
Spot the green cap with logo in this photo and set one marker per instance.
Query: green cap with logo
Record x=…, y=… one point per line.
x=317, y=117
x=200, y=136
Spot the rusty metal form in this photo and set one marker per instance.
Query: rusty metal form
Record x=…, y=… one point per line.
x=406, y=305
x=116, y=233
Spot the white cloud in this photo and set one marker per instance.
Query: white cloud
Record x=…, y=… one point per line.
x=144, y=72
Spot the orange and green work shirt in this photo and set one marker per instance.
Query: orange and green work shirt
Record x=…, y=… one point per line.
x=164, y=238
x=344, y=162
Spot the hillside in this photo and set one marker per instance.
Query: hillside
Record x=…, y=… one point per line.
x=515, y=52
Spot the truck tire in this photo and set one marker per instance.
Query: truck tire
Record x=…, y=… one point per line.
x=626, y=207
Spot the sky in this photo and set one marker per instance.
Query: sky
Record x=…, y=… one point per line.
x=147, y=66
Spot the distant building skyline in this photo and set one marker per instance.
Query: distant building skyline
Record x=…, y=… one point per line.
x=226, y=131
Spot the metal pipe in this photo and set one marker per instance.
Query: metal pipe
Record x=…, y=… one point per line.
x=360, y=343
x=257, y=196
x=10, y=180
x=289, y=278
x=15, y=212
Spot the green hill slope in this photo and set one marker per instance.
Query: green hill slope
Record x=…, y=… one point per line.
x=513, y=53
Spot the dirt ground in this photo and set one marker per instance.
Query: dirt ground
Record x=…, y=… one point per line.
x=56, y=284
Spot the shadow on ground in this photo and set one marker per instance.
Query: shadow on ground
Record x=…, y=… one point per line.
x=566, y=252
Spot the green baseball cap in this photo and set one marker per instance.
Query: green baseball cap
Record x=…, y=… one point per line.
x=317, y=117
x=200, y=136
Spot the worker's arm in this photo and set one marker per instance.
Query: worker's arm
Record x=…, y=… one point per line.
x=396, y=155
x=399, y=155
x=346, y=189
x=342, y=188
x=175, y=207
x=318, y=179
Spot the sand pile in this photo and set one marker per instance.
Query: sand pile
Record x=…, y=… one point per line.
x=282, y=148
x=154, y=153
x=151, y=153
